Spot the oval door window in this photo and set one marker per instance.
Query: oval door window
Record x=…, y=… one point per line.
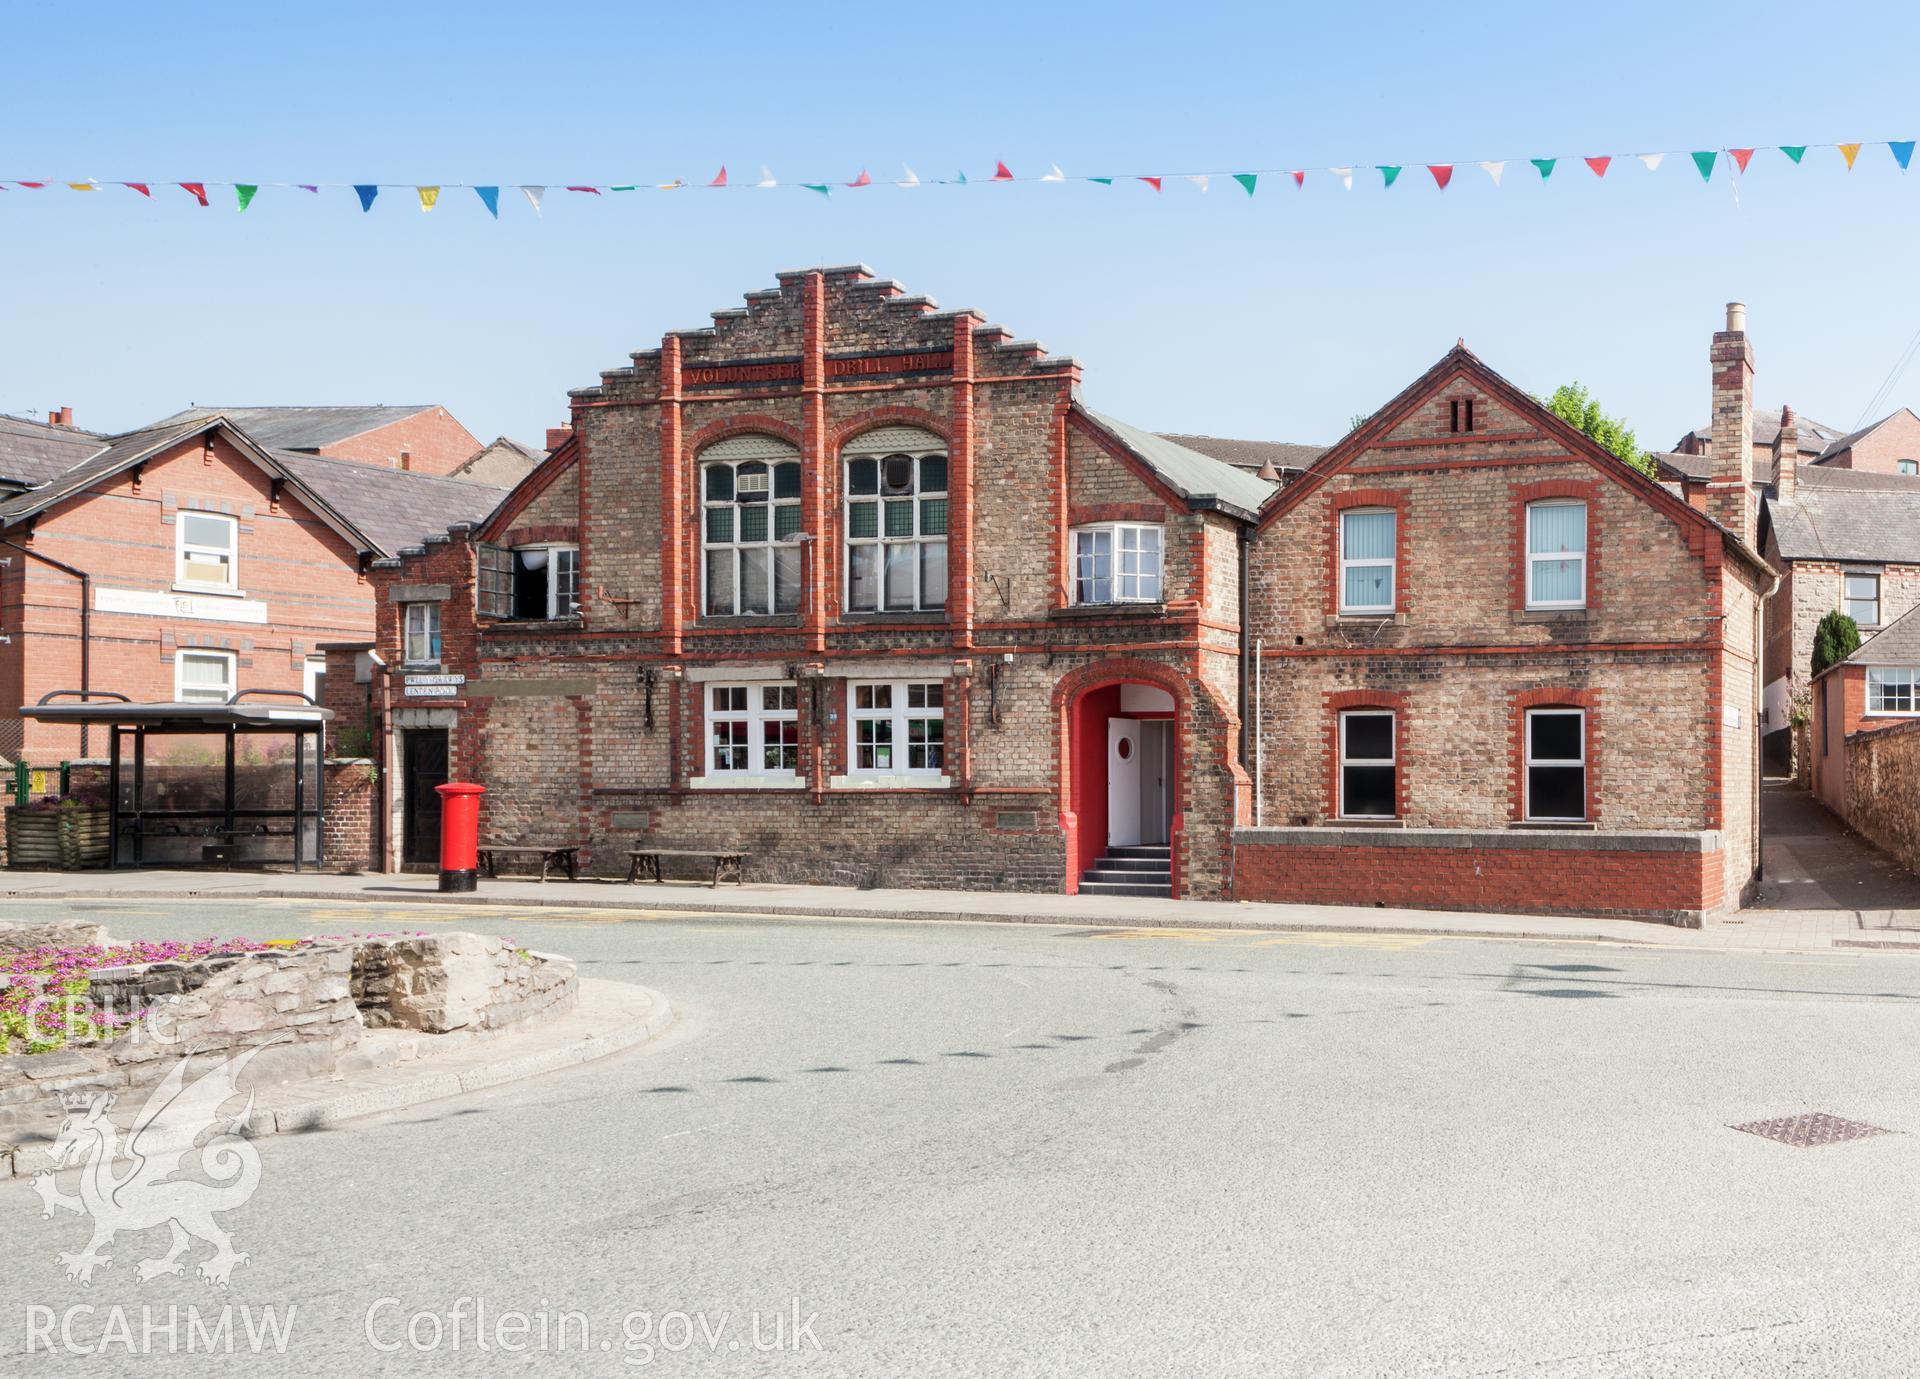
x=1125, y=748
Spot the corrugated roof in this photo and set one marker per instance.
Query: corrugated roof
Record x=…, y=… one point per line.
x=1896, y=644
x=1188, y=472
x=32, y=452
x=302, y=428
x=1243, y=454
x=394, y=508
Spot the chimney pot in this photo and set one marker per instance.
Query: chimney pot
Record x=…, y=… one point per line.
x=406, y=459
x=1736, y=317
x=1268, y=472
x=62, y=416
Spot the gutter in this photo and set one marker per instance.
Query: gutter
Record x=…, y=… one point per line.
x=86, y=619
x=1246, y=636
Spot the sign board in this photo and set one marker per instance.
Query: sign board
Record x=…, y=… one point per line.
x=413, y=680
x=199, y=607
x=432, y=691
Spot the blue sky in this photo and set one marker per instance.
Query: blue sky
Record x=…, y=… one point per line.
x=1277, y=317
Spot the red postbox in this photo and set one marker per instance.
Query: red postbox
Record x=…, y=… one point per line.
x=459, y=834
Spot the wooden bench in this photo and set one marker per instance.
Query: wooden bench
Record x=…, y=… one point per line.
x=646, y=861
x=550, y=857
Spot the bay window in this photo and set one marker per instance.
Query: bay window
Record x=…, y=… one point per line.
x=898, y=729
x=1368, y=554
x=1117, y=562
x=1557, y=555
x=750, y=527
x=896, y=522
x=1893, y=690
x=1556, y=764
x=753, y=730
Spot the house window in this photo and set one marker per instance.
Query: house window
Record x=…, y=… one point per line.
x=896, y=532
x=203, y=677
x=1556, y=764
x=753, y=730
x=1367, y=539
x=421, y=623
x=1556, y=555
x=207, y=547
x=751, y=533
x=1368, y=788
x=1460, y=415
x=1118, y=562
x=546, y=582
x=1893, y=691
x=1908, y=466
x=899, y=729
x=1862, y=598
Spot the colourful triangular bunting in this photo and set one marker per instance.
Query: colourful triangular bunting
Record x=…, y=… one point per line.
x=1388, y=171
x=1902, y=152
x=1494, y=170
x=197, y=189
x=1600, y=165
x=1794, y=151
x=490, y=198
x=820, y=187
x=366, y=191
x=1849, y=152
x=429, y=198
x=1153, y=182
x=1740, y=156
x=244, y=193
x=1442, y=174
x=1000, y=173
x=1247, y=180
x=1545, y=165
x=1704, y=162
x=720, y=177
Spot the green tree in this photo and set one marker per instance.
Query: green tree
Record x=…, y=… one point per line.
x=1837, y=638
x=1574, y=405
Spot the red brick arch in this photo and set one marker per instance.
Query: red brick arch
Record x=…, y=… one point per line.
x=1339, y=700
x=1066, y=695
x=743, y=424
x=1553, y=697
x=1524, y=494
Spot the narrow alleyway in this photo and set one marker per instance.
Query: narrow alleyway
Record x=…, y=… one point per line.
x=1815, y=862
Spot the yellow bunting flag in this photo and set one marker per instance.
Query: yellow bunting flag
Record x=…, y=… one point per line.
x=429, y=196
x=84, y=186
x=1849, y=152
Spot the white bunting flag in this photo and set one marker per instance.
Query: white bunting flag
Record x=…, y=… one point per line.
x=1494, y=170
x=1199, y=179
x=1652, y=160
x=766, y=177
x=1055, y=176
x=533, y=195
x=1345, y=175
x=912, y=179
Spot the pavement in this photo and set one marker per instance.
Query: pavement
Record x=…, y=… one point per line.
x=1825, y=888
x=941, y=1149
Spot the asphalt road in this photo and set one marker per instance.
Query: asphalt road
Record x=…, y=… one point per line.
x=1006, y=1150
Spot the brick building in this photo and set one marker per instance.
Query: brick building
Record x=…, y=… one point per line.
x=865, y=588
x=187, y=560
x=425, y=437
x=1877, y=687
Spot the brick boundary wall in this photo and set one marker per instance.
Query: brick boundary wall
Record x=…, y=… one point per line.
x=1673, y=878
x=1882, y=802
x=351, y=797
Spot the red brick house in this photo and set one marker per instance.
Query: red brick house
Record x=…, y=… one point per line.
x=1877, y=687
x=424, y=437
x=187, y=560
x=868, y=590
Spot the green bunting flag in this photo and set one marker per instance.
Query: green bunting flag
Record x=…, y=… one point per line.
x=1705, y=161
x=1247, y=179
x=820, y=187
x=631, y=186
x=1388, y=172
x=245, y=191
x=1794, y=151
x=1103, y=181
x=1545, y=165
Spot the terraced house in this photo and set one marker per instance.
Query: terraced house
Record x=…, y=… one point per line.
x=867, y=590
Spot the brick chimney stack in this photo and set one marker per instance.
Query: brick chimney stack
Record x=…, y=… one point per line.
x=1730, y=490
x=558, y=436
x=1786, y=457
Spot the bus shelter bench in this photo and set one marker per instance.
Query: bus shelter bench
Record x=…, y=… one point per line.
x=646, y=862
x=567, y=857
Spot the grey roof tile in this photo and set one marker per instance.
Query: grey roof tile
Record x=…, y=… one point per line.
x=1815, y=436
x=1244, y=454
x=1188, y=472
x=1896, y=644
x=1877, y=523
x=395, y=508
x=302, y=428
x=32, y=452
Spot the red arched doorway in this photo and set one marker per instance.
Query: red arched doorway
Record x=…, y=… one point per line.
x=1123, y=800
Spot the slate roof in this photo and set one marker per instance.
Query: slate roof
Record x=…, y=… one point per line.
x=301, y=428
x=1896, y=644
x=32, y=452
x=502, y=459
x=1814, y=436
x=109, y=455
x=395, y=508
x=1249, y=454
x=1186, y=471
x=1871, y=521
x=1695, y=468
x=1847, y=442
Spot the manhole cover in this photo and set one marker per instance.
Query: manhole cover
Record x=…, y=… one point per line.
x=1811, y=1129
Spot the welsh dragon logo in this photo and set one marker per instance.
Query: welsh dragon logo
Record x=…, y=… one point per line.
x=148, y=1190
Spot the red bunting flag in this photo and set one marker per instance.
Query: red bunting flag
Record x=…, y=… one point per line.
x=1740, y=156
x=862, y=180
x=141, y=187
x=1442, y=174
x=1299, y=179
x=720, y=178
x=1599, y=165
x=1000, y=173
x=590, y=191
x=35, y=185
x=1153, y=182
x=198, y=190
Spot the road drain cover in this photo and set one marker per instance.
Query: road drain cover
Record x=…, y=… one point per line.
x=1811, y=1129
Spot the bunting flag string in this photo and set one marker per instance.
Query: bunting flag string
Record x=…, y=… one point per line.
x=1704, y=161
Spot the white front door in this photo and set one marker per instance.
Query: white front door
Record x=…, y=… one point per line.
x=1123, y=782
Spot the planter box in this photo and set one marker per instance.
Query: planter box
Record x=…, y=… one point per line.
x=86, y=837
x=33, y=839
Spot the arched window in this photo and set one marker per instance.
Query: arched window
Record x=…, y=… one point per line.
x=750, y=525
x=896, y=521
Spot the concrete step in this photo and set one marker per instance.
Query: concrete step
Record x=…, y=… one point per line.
x=1160, y=850
x=1162, y=877
x=1112, y=863
x=1162, y=891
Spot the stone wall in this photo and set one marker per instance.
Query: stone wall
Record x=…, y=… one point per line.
x=1883, y=799
x=444, y=982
